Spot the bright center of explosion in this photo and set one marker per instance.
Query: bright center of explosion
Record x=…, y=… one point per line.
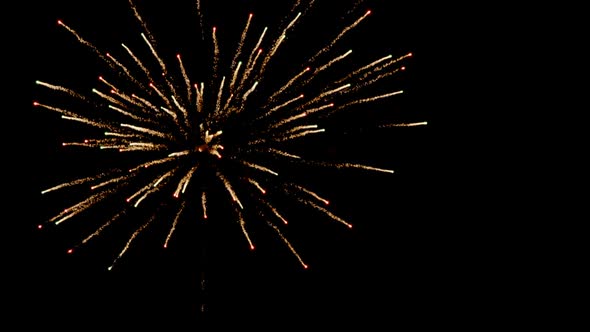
x=207, y=147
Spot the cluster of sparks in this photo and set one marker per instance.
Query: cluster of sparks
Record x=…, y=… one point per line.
x=180, y=126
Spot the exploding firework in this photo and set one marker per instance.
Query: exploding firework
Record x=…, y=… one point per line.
x=228, y=132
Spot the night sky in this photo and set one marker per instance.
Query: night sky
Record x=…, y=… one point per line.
x=403, y=264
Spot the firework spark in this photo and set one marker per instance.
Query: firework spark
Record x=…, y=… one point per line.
x=186, y=127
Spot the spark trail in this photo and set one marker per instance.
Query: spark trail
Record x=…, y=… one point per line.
x=221, y=132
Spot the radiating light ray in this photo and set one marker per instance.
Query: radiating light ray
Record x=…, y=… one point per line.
x=250, y=91
x=162, y=178
x=275, y=212
x=161, y=62
x=146, y=103
x=128, y=114
x=183, y=183
x=187, y=81
x=120, y=135
x=216, y=52
x=259, y=167
x=111, y=181
x=219, y=94
x=313, y=194
x=229, y=189
x=287, y=85
x=89, y=122
x=241, y=42
x=300, y=128
x=199, y=100
x=129, y=99
x=270, y=54
x=141, y=21
x=108, y=98
x=332, y=62
x=291, y=248
x=118, y=147
x=285, y=104
x=368, y=100
x=174, y=223
x=144, y=196
x=276, y=45
x=171, y=113
x=204, y=204
x=288, y=120
x=80, y=207
x=289, y=137
x=130, y=241
x=101, y=228
x=55, y=109
x=364, y=68
x=283, y=153
x=148, y=131
x=179, y=153
x=107, y=83
x=200, y=16
x=152, y=163
x=182, y=109
x=139, y=64
x=412, y=124
x=335, y=40
x=63, y=89
x=85, y=144
x=290, y=25
x=125, y=71
x=327, y=212
x=354, y=7
x=257, y=185
x=227, y=102
x=370, y=168
x=318, y=109
x=250, y=68
x=152, y=147
x=242, y=223
x=82, y=40
x=378, y=78
x=253, y=55
x=70, y=184
x=235, y=77
x=155, y=54
x=324, y=95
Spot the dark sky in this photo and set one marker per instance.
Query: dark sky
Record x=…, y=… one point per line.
x=402, y=265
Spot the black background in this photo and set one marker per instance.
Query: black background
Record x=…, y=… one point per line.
x=415, y=257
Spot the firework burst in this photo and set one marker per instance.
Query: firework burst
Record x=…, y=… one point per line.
x=226, y=132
